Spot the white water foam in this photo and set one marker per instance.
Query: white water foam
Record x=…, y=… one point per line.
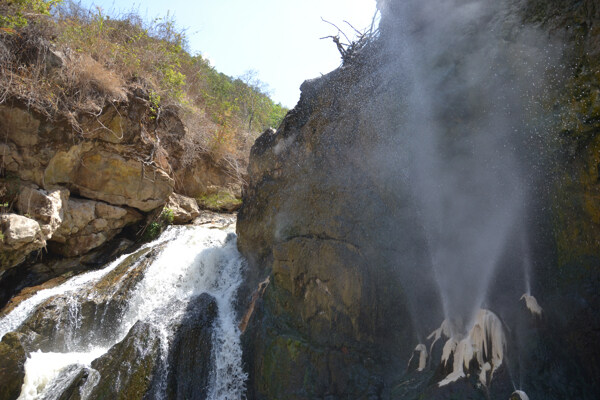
x=19, y=314
x=196, y=260
x=41, y=369
x=200, y=261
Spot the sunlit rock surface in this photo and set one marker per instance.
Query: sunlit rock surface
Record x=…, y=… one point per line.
x=121, y=157
x=21, y=236
x=46, y=207
x=185, y=209
x=88, y=224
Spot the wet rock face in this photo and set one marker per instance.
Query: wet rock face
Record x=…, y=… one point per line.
x=12, y=366
x=126, y=371
x=70, y=384
x=191, y=358
x=332, y=224
x=59, y=324
x=570, y=280
x=328, y=219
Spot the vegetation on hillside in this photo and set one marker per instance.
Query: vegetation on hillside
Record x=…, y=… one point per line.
x=102, y=59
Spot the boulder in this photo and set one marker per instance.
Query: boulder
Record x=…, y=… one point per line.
x=127, y=370
x=185, y=209
x=191, y=359
x=46, y=207
x=20, y=236
x=12, y=366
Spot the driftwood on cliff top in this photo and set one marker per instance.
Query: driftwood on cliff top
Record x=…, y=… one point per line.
x=350, y=49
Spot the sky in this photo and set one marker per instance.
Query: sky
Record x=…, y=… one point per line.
x=279, y=39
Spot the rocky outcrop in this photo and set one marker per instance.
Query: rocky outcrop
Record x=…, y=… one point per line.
x=328, y=216
x=184, y=209
x=88, y=225
x=84, y=178
x=20, y=236
x=328, y=222
x=70, y=226
x=12, y=366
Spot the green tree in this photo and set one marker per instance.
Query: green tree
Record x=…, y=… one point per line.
x=252, y=97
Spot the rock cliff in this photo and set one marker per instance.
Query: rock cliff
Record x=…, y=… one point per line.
x=330, y=222
x=70, y=184
x=329, y=217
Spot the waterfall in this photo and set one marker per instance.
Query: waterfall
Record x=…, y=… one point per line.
x=470, y=74
x=471, y=77
x=185, y=262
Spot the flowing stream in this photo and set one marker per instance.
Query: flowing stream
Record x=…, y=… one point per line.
x=185, y=262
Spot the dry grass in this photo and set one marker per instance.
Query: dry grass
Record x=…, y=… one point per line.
x=92, y=84
x=102, y=59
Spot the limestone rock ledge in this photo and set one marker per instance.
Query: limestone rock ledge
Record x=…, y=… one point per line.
x=80, y=179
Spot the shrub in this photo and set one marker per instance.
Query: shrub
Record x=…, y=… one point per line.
x=158, y=225
x=106, y=57
x=16, y=13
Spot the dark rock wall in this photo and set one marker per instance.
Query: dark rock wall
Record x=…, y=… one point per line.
x=336, y=229
x=328, y=219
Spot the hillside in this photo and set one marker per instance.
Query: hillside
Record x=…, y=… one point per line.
x=106, y=121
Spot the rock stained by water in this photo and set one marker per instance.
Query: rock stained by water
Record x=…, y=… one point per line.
x=397, y=194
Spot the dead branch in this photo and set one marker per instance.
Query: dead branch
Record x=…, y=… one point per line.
x=349, y=50
x=336, y=27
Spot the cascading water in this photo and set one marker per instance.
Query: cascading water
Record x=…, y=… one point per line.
x=188, y=261
x=464, y=172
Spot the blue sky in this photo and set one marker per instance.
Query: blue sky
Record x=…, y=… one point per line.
x=280, y=39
